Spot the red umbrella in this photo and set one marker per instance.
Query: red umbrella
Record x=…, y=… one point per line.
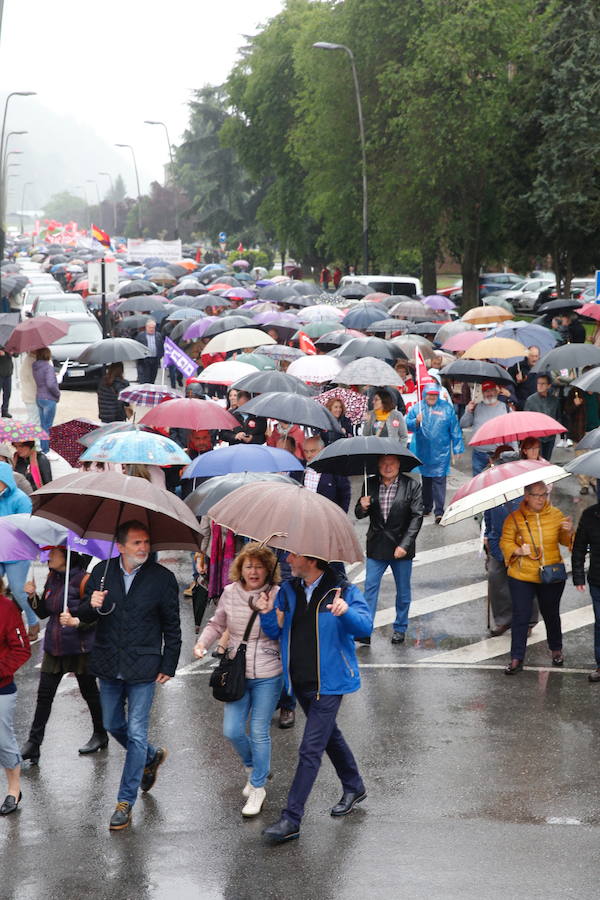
x=189, y=413
x=33, y=334
x=515, y=427
x=590, y=311
x=500, y=473
x=64, y=438
x=458, y=343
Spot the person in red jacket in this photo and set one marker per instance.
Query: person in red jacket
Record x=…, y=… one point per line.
x=14, y=651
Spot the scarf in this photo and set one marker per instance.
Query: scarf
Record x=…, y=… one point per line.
x=222, y=554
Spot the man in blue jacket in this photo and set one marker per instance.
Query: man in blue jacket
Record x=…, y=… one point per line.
x=316, y=616
x=13, y=500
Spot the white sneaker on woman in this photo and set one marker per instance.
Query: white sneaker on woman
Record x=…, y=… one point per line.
x=254, y=803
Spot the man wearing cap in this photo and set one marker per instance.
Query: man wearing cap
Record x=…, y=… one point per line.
x=476, y=415
x=436, y=435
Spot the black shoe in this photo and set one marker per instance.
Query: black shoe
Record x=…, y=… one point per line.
x=398, y=637
x=348, y=802
x=558, y=660
x=512, y=670
x=427, y=512
x=6, y=415
x=281, y=831
x=98, y=741
x=287, y=718
x=438, y=519
x=498, y=630
x=31, y=751
x=363, y=640
x=151, y=771
x=10, y=804
x=594, y=677
x=121, y=818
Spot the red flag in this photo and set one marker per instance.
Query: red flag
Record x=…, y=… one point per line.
x=423, y=376
x=240, y=247
x=101, y=236
x=305, y=344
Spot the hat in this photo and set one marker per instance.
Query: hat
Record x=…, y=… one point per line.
x=489, y=386
x=7, y=451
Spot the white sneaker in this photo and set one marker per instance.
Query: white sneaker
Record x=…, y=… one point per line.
x=247, y=786
x=254, y=802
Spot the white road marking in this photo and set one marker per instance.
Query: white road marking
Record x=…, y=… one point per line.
x=426, y=557
x=434, y=603
x=492, y=667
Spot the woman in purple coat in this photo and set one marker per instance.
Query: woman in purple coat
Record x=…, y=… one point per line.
x=67, y=644
x=47, y=391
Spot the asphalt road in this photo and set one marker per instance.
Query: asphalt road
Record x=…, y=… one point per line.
x=479, y=786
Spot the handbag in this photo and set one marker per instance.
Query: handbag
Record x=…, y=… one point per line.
x=228, y=680
x=548, y=573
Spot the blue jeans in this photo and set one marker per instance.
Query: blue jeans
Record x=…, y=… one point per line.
x=254, y=749
x=131, y=730
x=434, y=494
x=479, y=460
x=47, y=410
x=16, y=574
x=402, y=570
x=595, y=594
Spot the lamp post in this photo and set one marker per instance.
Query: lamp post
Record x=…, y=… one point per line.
x=25, y=186
x=137, y=179
x=176, y=204
x=326, y=45
x=93, y=181
x=8, y=137
x=3, y=176
x=112, y=190
x=80, y=187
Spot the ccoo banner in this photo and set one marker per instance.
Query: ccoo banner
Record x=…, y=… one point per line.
x=138, y=250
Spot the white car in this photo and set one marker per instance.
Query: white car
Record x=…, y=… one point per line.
x=524, y=296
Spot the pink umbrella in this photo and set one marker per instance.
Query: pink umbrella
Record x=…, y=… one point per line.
x=516, y=426
x=458, y=343
x=13, y=430
x=33, y=334
x=190, y=413
x=436, y=301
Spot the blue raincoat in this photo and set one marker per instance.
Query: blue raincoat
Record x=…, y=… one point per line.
x=437, y=435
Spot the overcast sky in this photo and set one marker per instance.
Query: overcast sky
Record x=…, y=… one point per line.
x=114, y=63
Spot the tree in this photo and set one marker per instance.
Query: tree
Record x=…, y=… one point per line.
x=66, y=207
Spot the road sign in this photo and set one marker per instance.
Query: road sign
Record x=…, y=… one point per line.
x=111, y=277
x=597, y=284
x=222, y=236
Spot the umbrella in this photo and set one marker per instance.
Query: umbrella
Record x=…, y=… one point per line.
x=269, y=381
x=460, y=342
x=292, y=408
x=144, y=303
x=228, y=323
x=527, y=333
x=13, y=430
x=569, y=356
x=236, y=339
x=92, y=504
x=317, y=329
x=111, y=350
x=65, y=438
x=515, y=426
x=354, y=291
x=136, y=447
x=484, y=315
x=214, y=489
x=414, y=310
x=408, y=343
x=562, y=305
x=278, y=351
x=32, y=334
x=360, y=455
x=197, y=329
x=425, y=329
x=148, y=394
x=476, y=371
x=498, y=485
x=589, y=381
x=355, y=404
x=334, y=339
x=591, y=441
x=370, y=371
x=190, y=412
x=586, y=464
x=109, y=428
x=496, y=348
x=437, y=301
x=363, y=317
x=451, y=328
x=317, y=527
x=132, y=288
x=388, y=325
x=374, y=347
x=224, y=373
x=242, y=458
x=590, y=311
x=319, y=312
x=242, y=263
x=315, y=369
x=132, y=323
x=257, y=360
x=186, y=312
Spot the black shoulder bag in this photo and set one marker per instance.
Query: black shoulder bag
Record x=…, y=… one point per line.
x=548, y=573
x=228, y=680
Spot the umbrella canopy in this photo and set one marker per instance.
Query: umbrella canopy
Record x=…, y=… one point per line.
x=586, y=464
x=590, y=311
x=136, y=447
x=569, y=356
x=93, y=503
x=355, y=405
x=109, y=428
x=408, y=343
x=451, y=328
x=317, y=329
x=370, y=371
x=23, y=536
x=354, y=291
x=138, y=286
x=562, y=304
x=357, y=455
x=321, y=311
x=476, y=371
x=527, y=333
x=190, y=412
x=33, y=334
x=186, y=312
x=363, y=317
x=228, y=323
x=148, y=394
x=425, y=329
x=65, y=438
x=242, y=458
x=437, y=301
x=14, y=430
x=132, y=323
x=143, y=303
x=460, y=342
x=589, y=381
x=515, y=426
x=317, y=528
x=498, y=485
x=257, y=360
x=315, y=369
x=591, y=441
x=483, y=315
x=236, y=339
x=269, y=381
x=386, y=326
x=374, y=347
x=110, y=350
x=198, y=328
x=213, y=490
x=414, y=310
x=292, y=408
x=224, y=373
x=496, y=348
x=278, y=351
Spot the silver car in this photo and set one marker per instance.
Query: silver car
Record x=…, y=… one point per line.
x=83, y=331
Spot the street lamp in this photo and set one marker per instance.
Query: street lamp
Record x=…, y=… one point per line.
x=25, y=186
x=153, y=122
x=112, y=190
x=3, y=176
x=80, y=187
x=8, y=137
x=137, y=178
x=93, y=181
x=326, y=45
x=12, y=94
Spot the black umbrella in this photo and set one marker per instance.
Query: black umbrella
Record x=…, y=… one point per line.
x=292, y=408
x=569, y=356
x=143, y=303
x=355, y=291
x=272, y=380
x=388, y=325
x=375, y=347
x=283, y=292
x=333, y=339
x=589, y=381
x=308, y=288
x=360, y=456
x=112, y=350
x=138, y=286
x=185, y=301
x=132, y=323
x=6, y=329
x=474, y=370
x=228, y=323
x=214, y=489
x=424, y=328
x=563, y=304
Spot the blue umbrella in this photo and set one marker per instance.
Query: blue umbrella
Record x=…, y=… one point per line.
x=244, y=458
x=363, y=317
x=527, y=333
x=136, y=448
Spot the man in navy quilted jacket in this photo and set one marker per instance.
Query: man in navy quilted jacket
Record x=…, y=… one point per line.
x=138, y=640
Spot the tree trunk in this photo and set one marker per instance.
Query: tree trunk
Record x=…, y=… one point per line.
x=568, y=275
x=428, y=265
x=556, y=269
x=471, y=259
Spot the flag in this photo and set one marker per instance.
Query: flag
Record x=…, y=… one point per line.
x=240, y=247
x=305, y=344
x=101, y=236
x=174, y=355
x=423, y=376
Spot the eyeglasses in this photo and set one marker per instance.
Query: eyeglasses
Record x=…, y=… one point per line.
x=545, y=494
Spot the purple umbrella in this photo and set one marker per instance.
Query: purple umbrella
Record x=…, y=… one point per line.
x=196, y=329
x=239, y=294
x=437, y=301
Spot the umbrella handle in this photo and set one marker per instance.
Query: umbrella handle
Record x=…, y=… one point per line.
x=112, y=546
x=365, y=493
x=67, y=573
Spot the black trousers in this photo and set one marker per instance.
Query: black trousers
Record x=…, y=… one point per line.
x=5, y=389
x=46, y=692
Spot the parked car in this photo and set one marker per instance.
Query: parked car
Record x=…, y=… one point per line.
x=50, y=304
x=83, y=331
x=524, y=296
x=395, y=285
x=578, y=286
x=32, y=292
x=489, y=283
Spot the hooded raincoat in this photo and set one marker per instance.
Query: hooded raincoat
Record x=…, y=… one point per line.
x=12, y=499
x=436, y=436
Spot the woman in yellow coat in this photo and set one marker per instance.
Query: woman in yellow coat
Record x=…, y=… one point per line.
x=530, y=545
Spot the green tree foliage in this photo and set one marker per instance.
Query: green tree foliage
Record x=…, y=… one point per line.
x=66, y=207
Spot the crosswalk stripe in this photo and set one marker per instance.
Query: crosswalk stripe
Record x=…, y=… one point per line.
x=434, y=603
x=426, y=557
